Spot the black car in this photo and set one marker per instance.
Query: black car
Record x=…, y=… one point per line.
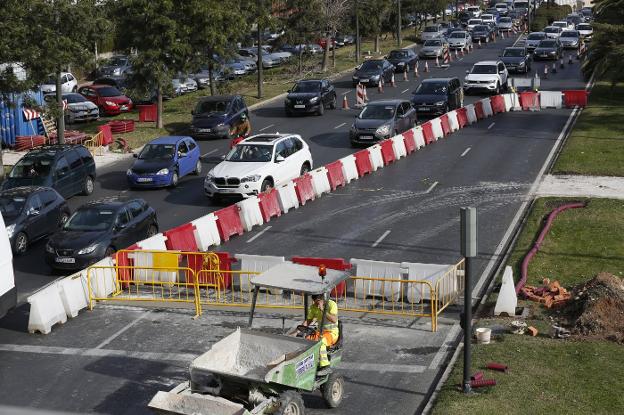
x=403, y=59
x=438, y=96
x=372, y=71
x=382, y=119
x=68, y=169
x=310, y=96
x=97, y=229
x=517, y=59
x=481, y=33
x=218, y=116
x=548, y=49
x=31, y=213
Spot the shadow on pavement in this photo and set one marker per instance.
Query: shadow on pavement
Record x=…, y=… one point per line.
x=16, y=319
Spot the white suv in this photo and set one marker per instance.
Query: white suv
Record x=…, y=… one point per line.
x=259, y=163
x=488, y=76
x=69, y=83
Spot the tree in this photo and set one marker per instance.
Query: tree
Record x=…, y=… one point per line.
x=373, y=15
x=302, y=24
x=607, y=52
x=332, y=13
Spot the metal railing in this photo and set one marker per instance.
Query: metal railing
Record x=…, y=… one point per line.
x=94, y=144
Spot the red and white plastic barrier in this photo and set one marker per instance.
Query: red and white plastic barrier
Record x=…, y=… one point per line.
x=471, y=114
x=453, y=121
x=478, y=107
x=250, y=213
x=378, y=269
x=320, y=181
x=304, y=188
x=375, y=157
x=363, y=162
x=229, y=222
x=269, y=204
x=349, y=168
x=387, y=151
x=446, y=126
x=206, y=232
x=529, y=101
x=436, y=126
x=575, y=98
x=487, y=107
x=287, y=197
x=551, y=99
x=427, y=129
x=255, y=263
x=512, y=102
x=335, y=174
x=419, y=137
x=398, y=145
x=409, y=142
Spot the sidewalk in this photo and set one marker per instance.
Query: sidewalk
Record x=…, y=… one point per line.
x=582, y=186
x=9, y=157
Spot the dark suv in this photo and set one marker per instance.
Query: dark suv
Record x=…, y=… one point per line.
x=310, y=96
x=218, y=117
x=68, y=169
x=403, y=59
x=437, y=96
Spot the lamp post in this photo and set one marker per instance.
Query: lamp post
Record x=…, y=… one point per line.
x=468, y=234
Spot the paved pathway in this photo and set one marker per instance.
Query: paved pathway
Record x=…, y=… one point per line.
x=582, y=186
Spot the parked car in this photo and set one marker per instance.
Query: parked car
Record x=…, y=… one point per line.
x=403, y=59
x=116, y=66
x=432, y=32
x=268, y=60
x=80, y=109
x=164, y=161
x=323, y=41
x=548, y=49
x=190, y=83
x=68, y=169
x=371, y=72
x=570, y=39
x=505, y=24
x=202, y=77
x=380, y=120
x=553, y=32
x=436, y=96
x=533, y=39
x=218, y=116
x=178, y=87
x=343, y=40
x=69, y=83
x=97, y=229
x=282, y=55
x=257, y=164
x=585, y=30
x=481, y=33
x=517, y=59
x=486, y=76
x=31, y=213
x=472, y=23
x=108, y=99
x=310, y=96
x=432, y=49
x=459, y=40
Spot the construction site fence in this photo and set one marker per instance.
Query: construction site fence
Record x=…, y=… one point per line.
x=175, y=280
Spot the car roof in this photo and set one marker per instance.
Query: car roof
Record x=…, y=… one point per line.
x=218, y=98
x=168, y=139
x=112, y=202
x=51, y=150
x=387, y=102
x=437, y=80
x=99, y=86
x=515, y=47
x=487, y=63
x=266, y=138
x=23, y=190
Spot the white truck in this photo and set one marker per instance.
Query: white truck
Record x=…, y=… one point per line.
x=8, y=293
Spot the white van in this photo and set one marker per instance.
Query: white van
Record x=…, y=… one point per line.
x=8, y=293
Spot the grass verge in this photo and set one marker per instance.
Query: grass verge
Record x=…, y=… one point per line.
x=596, y=144
x=548, y=375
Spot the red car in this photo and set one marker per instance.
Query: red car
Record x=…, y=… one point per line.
x=109, y=99
x=322, y=41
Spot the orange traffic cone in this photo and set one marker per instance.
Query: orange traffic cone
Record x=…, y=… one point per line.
x=365, y=93
x=561, y=64
x=570, y=59
x=546, y=71
x=554, y=67
x=456, y=55
x=479, y=43
x=392, y=83
x=437, y=62
x=380, y=86
x=461, y=52
x=426, y=67
x=405, y=74
x=502, y=35
x=416, y=75
x=345, y=103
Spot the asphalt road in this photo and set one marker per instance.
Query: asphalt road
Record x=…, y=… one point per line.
x=408, y=211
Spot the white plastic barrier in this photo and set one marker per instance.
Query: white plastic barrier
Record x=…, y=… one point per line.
x=378, y=269
x=512, y=103
x=146, y=259
x=419, y=137
x=424, y=272
x=453, y=121
x=551, y=99
x=320, y=181
x=507, y=299
x=471, y=114
x=487, y=107
x=398, y=145
x=206, y=232
x=249, y=212
x=74, y=294
x=287, y=197
x=102, y=279
x=349, y=168
x=375, y=157
x=256, y=263
x=436, y=127
x=46, y=309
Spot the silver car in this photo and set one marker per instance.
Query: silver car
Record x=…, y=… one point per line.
x=585, y=30
x=432, y=32
x=80, y=109
x=533, y=39
x=433, y=48
x=459, y=40
x=570, y=39
x=553, y=32
x=505, y=24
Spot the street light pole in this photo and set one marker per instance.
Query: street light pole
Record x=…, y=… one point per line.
x=468, y=235
x=357, y=33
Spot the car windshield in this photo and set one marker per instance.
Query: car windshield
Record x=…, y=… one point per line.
x=91, y=219
x=474, y=21
x=569, y=33
x=458, y=35
x=398, y=54
x=109, y=91
x=552, y=30
x=309, y=86
x=505, y=20
x=206, y=107
x=431, y=88
x=480, y=28
x=118, y=61
x=371, y=65
x=74, y=98
x=12, y=205
x=250, y=153
x=431, y=29
x=32, y=166
x=535, y=36
x=584, y=26
x=547, y=44
x=377, y=112
x=157, y=151
x=484, y=69
x=514, y=53
x=561, y=24
x=433, y=43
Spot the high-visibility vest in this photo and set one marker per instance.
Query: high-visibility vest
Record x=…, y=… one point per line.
x=316, y=313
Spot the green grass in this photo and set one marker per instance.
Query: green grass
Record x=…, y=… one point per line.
x=547, y=14
x=177, y=111
x=596, y=144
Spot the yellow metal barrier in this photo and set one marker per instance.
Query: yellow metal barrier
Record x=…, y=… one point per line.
x=94, y=144
x=448, y=288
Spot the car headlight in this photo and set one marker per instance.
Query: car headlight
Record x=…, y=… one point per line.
x=221, y=127
x=314, y=100
x=111, y=103
x=440, y=103
x=117, y=71
x=49, y=249
x=10, y=229
x=521, y=63
x=162, y=172
x=87, y=250
x=353, y=128
x=383, y=130
x=252, y=178
x=209, y=177
x=552, y=52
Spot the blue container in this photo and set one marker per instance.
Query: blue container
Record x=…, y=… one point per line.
x=12, y=121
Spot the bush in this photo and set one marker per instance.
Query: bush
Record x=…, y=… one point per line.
x=546, y=14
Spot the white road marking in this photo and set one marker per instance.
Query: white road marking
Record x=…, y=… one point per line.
x=465, y=152
x=339, y=125
x=405, y=90
x=381, y=367
x=491, y=125
x=118, y=333
x=268, y=126
x=253, y=238
x=445, y=346
x=210, y=152
x=431, y=187
x=345, y=93
x=461, y=59
x=381, y=238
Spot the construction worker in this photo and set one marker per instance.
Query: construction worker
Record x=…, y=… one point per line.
x=330, y=327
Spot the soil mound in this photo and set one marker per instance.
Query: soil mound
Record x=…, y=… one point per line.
x=597, y=308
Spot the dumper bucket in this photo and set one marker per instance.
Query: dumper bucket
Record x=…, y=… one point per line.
x=181, y=401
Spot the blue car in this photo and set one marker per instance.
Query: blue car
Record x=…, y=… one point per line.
x=163, y=161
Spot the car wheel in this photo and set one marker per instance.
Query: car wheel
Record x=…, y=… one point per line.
x=152, y=230
x=174, y=179
x=198, y=168
x=20, y=244
x=266, y=186
x=333, y=390
x=321, y=109
x=332, y=104
x=87, y=188
x=304, y=169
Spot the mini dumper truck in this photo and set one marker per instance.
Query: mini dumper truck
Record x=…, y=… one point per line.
x=251, y=372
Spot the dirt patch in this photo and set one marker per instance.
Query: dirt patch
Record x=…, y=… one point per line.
x=597, y=308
